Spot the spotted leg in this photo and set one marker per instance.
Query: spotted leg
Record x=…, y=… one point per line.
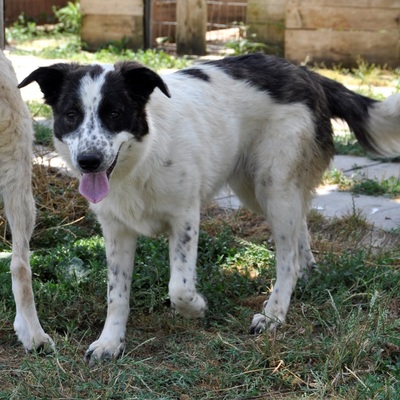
x=120, y=251
x=183, y=241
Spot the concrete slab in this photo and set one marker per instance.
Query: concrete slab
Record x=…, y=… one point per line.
x=379, y=211
x=365, y=167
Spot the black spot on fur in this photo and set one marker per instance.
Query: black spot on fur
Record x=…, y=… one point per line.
x=196, y=73
x=185, y=238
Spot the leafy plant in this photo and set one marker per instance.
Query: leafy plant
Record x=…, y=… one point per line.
x=245, y=46
x=388, y=187
x=69, y=17
x=22, y=29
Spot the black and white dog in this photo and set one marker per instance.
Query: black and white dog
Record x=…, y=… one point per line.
x=150, y=151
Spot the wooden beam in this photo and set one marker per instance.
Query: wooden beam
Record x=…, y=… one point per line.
x=191, y=28
x=394, y=4
x=2, y=30
x=347, y=17
x=342, y=47
x=106, y=7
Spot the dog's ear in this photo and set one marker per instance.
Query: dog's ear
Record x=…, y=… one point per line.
x=140, y=80
x=50, y=80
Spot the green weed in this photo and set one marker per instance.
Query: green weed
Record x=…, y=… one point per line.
x=69, y=17
x=386, y=187
x=43, y=135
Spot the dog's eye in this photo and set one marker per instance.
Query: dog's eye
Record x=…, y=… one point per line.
x=71, y=115
x=114, y=114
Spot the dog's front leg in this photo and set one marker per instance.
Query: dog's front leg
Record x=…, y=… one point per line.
x=120, y=250
x=20, y=210
x=185, y=299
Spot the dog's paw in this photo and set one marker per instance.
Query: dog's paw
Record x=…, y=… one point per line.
x=33, y=341
x=101, y=350
x=43, y=345
x=269, y=319
x=308, y=270
x=262, y=323
x=191, y=307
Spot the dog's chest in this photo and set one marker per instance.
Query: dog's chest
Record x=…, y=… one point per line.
x=136, y=209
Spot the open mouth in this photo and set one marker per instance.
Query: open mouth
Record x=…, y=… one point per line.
x=95, y=186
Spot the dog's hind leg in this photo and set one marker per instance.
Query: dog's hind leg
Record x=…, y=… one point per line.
x=283, y=209
x=20, y=211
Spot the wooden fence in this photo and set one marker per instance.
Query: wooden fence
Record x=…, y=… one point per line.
x=219, y=15
x=340, y=31
x=40, y=11
x=104, y=21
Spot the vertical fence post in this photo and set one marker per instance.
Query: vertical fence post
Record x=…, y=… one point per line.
x=2, y=30
x=148, y=23
x=191, y=26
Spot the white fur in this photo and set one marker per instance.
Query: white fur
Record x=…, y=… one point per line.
x=16, y=136
x=385, y=120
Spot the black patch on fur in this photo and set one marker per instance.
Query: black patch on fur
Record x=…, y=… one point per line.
x=125, y=92
x=60, y=84
x=196, y=73
x=284, y=81
x=118, y=111
x=288, y=83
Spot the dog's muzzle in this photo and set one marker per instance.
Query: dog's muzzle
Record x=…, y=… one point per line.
x=94, y=183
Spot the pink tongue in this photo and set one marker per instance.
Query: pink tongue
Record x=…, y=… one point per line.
x=94, y=187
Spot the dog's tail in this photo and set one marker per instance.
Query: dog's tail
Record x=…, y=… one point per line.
x=376, y=124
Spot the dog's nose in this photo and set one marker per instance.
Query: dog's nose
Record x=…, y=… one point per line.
x=89, y=162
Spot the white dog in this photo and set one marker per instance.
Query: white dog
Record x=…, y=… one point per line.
x=150, y=151
x=16, y=137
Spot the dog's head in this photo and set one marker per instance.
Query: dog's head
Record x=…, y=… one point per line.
x=96, y=110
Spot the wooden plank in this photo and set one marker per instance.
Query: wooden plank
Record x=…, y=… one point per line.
x=116, y=7
x=347, y=3
x=98, y=30
x=191, y=26
x=342, y=47
x=266, y=20
x=2, y=29
x=341, y=18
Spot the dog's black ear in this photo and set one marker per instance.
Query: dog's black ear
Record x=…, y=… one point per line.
x=50, y=80
x=140, y=80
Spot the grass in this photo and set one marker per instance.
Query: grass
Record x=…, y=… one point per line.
x=341, y=339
